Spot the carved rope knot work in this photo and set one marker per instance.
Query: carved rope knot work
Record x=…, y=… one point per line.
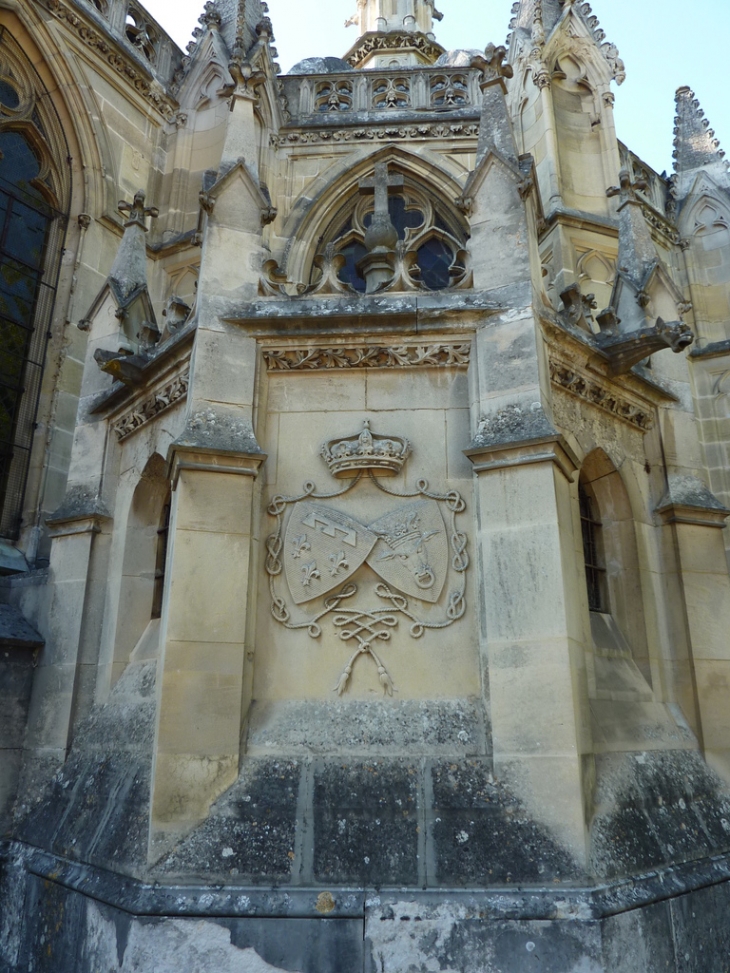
x=414, y=548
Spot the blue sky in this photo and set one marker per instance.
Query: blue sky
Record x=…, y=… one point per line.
x=665, y=44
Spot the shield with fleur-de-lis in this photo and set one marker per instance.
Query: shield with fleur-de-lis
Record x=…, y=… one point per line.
x=322, y=548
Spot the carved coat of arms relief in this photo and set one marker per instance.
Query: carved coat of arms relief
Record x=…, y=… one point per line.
x=415, y=548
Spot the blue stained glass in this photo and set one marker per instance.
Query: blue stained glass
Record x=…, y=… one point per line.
x=435, y=259
x=353, y=254
x=8, y=95
x=401, y=218
x=19, y=164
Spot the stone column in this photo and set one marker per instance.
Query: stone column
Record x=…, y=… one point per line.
x=62, y=675
x=698, y=519
x=533, y=638
x=532, y=619
x=201, y=673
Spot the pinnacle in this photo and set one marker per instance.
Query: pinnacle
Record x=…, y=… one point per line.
x=535, y=20
x=695, y=144
x=525, y=13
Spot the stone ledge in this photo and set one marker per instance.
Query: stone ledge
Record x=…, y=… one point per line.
x=689, y=501
x=16, y=632
x=505, y=903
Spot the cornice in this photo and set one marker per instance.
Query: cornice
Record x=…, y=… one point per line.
x=120, y=60
x=576, y=350
x=375, y=41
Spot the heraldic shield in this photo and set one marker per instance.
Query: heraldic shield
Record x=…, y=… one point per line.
x=323, y=548
x=414, y=548
x=412, y=552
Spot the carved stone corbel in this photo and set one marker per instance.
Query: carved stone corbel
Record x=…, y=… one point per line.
x=626, y=350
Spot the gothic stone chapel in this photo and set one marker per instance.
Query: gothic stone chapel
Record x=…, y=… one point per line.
x=364, y=475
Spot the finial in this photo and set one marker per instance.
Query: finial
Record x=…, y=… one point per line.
x=210, y=16
x=627, y=189
x=137, y=211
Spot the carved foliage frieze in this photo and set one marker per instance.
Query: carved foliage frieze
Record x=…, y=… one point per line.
x=601, y=394
x=391, y=132
x=150, y=407
x=367, y=356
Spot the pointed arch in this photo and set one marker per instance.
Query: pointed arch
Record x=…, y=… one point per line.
x=143, y=561
x=35, y=192
x=337, y=189
x=611, y=558
x=709, y=221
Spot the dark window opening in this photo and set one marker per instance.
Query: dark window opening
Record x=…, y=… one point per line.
x=9, y=97
x=402, y=216
x=349, y=274
x=422, y=229
x=593, y=552
x=29, y=225
x=435, y=259
x=161, y=561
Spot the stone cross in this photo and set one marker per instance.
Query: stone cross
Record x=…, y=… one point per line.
x=137, y=211
x=379, y=187
x=627, y=189
x=381, y=232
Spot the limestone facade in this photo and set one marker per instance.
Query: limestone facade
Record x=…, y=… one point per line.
x=365, y=474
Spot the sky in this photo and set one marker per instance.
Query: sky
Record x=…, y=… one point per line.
x=665, y=44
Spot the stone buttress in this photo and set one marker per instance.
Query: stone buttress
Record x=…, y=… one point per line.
x=384, y=624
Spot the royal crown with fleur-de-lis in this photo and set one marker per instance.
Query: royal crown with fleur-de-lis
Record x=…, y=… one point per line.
x=366, y=452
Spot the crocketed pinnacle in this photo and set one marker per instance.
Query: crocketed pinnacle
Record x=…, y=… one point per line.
x=128, y=275
x=534, y=21
x=526, y=13
x=695, y=145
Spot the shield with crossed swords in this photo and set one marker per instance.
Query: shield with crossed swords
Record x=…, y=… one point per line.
x=407, y=548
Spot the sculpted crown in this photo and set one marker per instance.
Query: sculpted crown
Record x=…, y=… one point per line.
x=356, y=454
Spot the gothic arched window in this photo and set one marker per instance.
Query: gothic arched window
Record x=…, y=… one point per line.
x=611, y=562
x=31, y=233
x=426, y=228
x=593, y=554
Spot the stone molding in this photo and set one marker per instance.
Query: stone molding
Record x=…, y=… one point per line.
x=660, y=223
x=148, y=409
x=208, y=461
x=377, y=42
x=368, y=356
x=147, y=89
x=610, y=898
x=488, y=459
x=688, y=500
x=675, y=513
x=601, y=394
x=437, y=130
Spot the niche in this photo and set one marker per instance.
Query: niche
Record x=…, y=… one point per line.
x=140, y=595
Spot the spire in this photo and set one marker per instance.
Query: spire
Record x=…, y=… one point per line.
x=239, y=22
x=695, y=145
x=525, y=13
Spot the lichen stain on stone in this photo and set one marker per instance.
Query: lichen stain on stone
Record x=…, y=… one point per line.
x=325, y=903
